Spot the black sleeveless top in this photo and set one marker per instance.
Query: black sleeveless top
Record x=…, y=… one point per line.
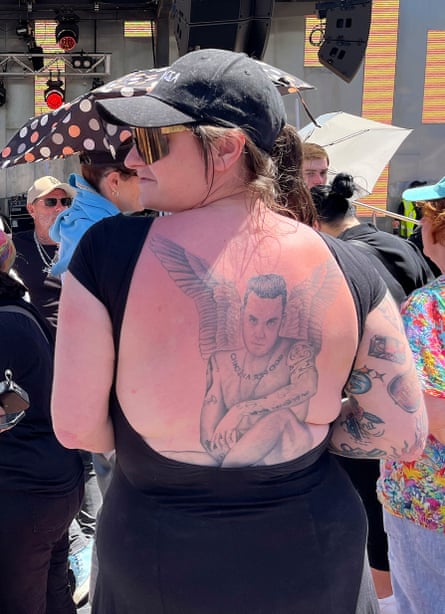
x=178, y=538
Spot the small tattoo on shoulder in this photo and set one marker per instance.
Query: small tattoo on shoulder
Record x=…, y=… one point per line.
x=387, y=348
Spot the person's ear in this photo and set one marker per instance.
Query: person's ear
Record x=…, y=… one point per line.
x=228, y=149
x=112, y=183
x=30, y=208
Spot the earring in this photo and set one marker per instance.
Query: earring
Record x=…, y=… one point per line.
x=115, y=193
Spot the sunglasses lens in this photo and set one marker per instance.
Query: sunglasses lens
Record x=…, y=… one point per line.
x=151, y=144
x=52, y=202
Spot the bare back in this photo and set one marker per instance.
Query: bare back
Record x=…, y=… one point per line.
x=228, y=338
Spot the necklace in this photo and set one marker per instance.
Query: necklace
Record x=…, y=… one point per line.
x=239, y=370
x=44, y=256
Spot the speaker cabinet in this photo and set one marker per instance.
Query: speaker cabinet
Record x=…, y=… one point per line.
x=346, y=38
x=236, y=25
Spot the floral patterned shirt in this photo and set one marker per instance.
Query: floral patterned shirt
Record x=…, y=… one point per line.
x=416, y=490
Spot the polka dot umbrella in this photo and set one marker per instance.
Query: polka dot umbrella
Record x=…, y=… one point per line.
x=76, y=126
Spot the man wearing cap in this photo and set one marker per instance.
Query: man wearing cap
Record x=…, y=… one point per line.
x=413, y=494
x=36, y=251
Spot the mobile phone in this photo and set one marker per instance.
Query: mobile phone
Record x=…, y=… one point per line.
x=13, y=399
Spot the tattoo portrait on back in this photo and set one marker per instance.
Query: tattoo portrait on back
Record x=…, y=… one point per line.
x=260, y=346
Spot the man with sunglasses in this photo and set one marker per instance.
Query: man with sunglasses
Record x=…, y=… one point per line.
x=36, y=251
x=36, y=254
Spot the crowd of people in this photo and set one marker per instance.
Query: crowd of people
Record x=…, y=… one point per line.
x=243, y=409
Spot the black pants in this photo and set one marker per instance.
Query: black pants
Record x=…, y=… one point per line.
x=34, y=552
x=364, y=474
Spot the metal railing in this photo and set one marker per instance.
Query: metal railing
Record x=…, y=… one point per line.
x=386, y=213
x=21, y=64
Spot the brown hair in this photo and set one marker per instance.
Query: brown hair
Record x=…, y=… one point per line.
x=293, y=194
x=313, y=151
x=94, y=174
x=434, y=210
x=260, y=168
x=274, y=178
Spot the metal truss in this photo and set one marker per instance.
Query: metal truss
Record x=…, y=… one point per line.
x=22, y=65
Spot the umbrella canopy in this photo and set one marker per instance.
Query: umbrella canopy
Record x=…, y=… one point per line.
x=76, y=126
x=355, y=145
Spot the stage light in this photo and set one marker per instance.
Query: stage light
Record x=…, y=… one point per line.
x=82, y=62
x=67, y=33
x=2, y=94
x=23, y=29
x=54, y=94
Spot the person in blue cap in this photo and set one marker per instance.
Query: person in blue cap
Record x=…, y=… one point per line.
x=413, y=494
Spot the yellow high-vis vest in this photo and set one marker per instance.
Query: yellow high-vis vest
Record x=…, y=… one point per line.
x=409, y=210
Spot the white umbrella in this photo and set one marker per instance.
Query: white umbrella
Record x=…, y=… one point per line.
x=355, y=145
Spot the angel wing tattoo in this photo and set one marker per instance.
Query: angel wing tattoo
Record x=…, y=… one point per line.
x=217, y=301
x=261, y=355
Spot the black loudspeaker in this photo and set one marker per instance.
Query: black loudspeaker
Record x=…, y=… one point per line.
x=237, y=25
x=346, y=36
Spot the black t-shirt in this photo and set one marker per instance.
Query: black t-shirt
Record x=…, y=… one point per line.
x=31, y=458
x=44, y=289
x=402, y=259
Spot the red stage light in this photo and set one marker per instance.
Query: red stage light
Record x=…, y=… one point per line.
x=67, y=35
x=54, y=94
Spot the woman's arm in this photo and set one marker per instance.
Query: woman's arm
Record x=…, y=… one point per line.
x=436, y=416
x=384, y=414
x=83, y=372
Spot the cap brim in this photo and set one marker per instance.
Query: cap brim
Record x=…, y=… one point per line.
x=428, y=192
x=142, y=112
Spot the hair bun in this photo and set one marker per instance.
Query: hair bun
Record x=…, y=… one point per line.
x=343, y=185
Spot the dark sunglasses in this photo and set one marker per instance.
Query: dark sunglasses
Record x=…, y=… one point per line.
x=52, y=202
x=152, y=143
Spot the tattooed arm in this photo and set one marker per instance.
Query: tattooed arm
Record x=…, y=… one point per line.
x=383, y=414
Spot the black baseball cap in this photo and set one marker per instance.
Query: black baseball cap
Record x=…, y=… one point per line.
x=208, y=86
